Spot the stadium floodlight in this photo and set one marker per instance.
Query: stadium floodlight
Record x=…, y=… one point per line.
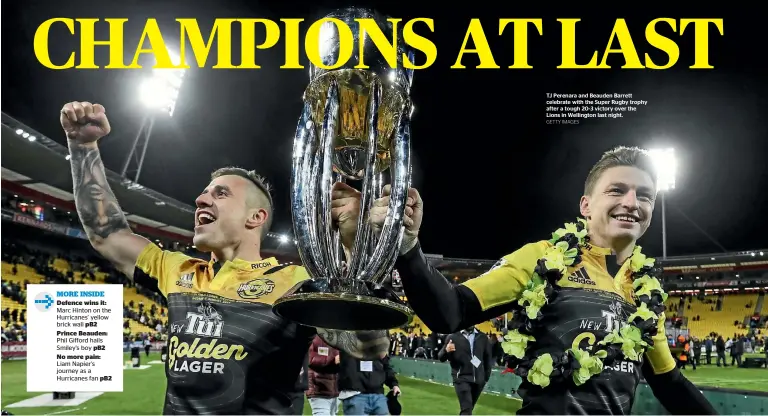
x=161, y=90
x=665, y=163
x=159, y=93
x=283, y=239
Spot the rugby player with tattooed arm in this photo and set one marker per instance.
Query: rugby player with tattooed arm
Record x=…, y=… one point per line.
x=227, y=352
x=592, y=300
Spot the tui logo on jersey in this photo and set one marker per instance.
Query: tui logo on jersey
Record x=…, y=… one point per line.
x=206, y=323
x=256, y=288
x=198, y=343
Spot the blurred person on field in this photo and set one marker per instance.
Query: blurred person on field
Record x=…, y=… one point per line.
x=361, y=385
x=469, y=354
x=720, y=346
x=323, y=391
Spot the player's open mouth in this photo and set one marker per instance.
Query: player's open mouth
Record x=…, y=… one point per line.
x=205, y=218
x=630, y=218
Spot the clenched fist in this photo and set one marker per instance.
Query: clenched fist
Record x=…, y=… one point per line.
x=450, y=347
x=84, y=122
x=414, y=211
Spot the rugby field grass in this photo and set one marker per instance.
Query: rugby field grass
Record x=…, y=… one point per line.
x=144, y=390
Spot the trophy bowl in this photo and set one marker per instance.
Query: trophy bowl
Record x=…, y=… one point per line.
x=354, y=128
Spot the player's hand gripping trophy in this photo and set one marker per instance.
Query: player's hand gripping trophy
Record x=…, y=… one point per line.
x=355, y=128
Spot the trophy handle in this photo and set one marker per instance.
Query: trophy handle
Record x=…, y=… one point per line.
x=323, y=173
x=304, y=147
x=384, y=256
x=364, y=229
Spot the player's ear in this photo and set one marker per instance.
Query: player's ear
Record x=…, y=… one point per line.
x=584, y=207
x=257, y=217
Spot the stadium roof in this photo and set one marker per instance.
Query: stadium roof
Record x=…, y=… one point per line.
x=42, y=166
x=36, y=166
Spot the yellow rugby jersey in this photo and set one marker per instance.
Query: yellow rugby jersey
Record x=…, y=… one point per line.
x=591, y=303
x=227, y=352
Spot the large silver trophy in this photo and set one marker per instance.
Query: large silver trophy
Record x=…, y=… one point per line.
x=355, y=127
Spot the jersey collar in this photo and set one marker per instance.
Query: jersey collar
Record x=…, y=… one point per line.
x=246, y=265
x=597, y=251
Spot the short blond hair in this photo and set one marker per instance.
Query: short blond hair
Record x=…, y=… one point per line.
x=256, y=179
x=620, y=156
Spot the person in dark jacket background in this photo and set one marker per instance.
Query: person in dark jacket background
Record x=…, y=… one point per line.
x=323, y=392
x=361, y=385
x=469, y=353
x=737, y=350
x=720, y=345
x=297, y=396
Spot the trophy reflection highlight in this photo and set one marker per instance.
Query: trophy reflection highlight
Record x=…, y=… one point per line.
x=355, y=127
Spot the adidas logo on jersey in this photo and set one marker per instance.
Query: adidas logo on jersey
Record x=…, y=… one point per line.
x=581, y=277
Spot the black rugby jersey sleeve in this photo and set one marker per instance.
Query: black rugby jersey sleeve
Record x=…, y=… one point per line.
x=447, y=308
x=676, y=393
x=157, y=269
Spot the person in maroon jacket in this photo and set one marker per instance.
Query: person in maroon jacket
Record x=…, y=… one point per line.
x=323, y=392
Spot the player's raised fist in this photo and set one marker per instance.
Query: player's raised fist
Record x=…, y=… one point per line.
x=84, y=122
x=450, y=347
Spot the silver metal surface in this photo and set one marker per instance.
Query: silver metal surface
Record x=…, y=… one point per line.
x=329, y=48
x=355, y=126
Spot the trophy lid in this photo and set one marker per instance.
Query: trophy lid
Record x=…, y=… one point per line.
x=328, y=45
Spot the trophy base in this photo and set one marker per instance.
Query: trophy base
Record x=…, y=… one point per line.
x=314, y=305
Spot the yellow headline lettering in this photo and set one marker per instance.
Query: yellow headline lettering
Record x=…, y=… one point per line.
x=568, y=27
x=195, y=46
x=482, y=49
x=291, y=44
x=701, y=39
x=156, y=47
x=626, y=47
x=387, y=48
x=88, y=43
x=315, y=45
x=419, y=43
x=520, y=31
x=190, y=30
x=249, y=35
x=40, y=43
x=663, y=43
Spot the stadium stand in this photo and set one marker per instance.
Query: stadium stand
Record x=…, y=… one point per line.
x=43, y=242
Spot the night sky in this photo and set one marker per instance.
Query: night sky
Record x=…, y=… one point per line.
x=492, y=174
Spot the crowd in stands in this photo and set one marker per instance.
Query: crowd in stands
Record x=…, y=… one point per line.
x=46, y=264
x=153, y=318
x=713, y=345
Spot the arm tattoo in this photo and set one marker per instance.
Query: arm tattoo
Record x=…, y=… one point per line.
x=97, y=206
x=359, y=344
